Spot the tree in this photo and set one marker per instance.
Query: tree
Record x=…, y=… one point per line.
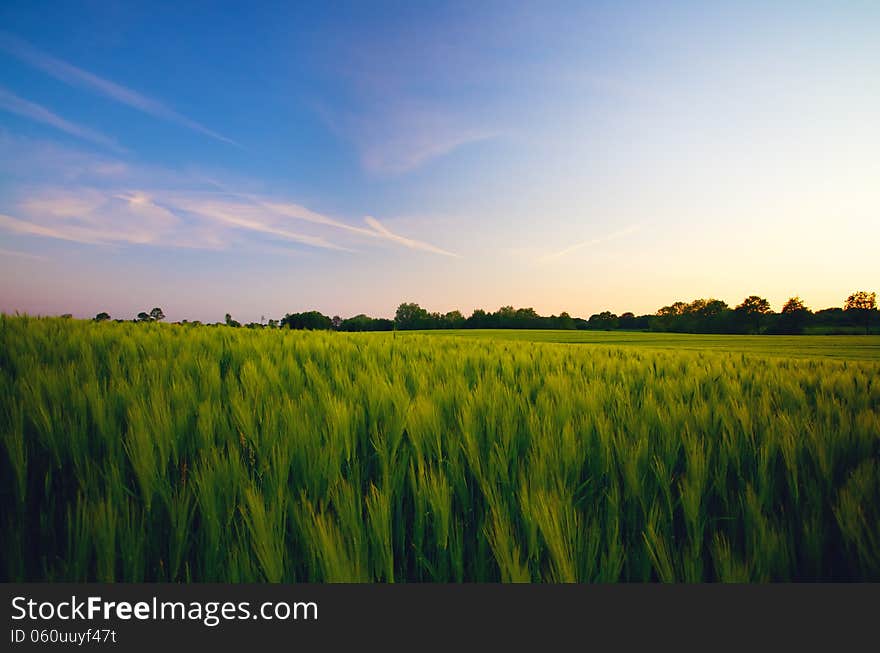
x=505, y=317
x=627, y=320
x=102, y=317
x=863, y=305
x=157, y=314
x=336, y=322
x=753, y=309
x=309, y=320
x=794, y=305
x=831, y=318
x=479, y=319
x=793, y=317
x=702, y=316
x=677, y=308
x=714, y=316
x=667, y=318
x=526, y=318
x=710, y=308
x=144, y=317
x=410, y=316
x=565, y=321
x=605, y=321
x=453, y=320
x=359, y=322
x=363, y=322
x=230, y=322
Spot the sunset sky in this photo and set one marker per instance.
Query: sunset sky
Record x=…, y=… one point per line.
x=259, y=158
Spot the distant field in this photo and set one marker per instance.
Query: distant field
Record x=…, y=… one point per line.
x=155, y=452
x=837, y=347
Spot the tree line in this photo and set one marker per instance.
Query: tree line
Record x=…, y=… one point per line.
x=753, y=315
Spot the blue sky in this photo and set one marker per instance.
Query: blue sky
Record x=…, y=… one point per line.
x=565, y=156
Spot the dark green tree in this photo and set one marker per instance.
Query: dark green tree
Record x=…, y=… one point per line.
x=627, y=320
x=478, y=320
x=453, y=320
x=410, y=316
x=564, y=321
x=311, y=320
x=793, y=317
x=526, y=318
x=752, y=311
x=604, y=321
x=862, y=305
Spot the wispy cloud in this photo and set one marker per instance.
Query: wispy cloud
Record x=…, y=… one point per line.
x=98, y=217
x=31, y=229
x=241, y=217
x=301, y=213
x=394, y=136
x=14, y=253
x=287, y=209
x=401, y=240
x=70, y=74
x=24, y=160
x=181, y=219
x=38, y=113
x=297, y=212
x=102, y=201
x=143, y=218
x=408, y=151
x=593, y=241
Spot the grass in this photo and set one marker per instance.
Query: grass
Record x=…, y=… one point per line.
x=163, y=453
x=847, y=347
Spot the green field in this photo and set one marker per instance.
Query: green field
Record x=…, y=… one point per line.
x=138, y=452
x=854, y=347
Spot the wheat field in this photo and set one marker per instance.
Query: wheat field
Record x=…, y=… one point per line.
x=152, y=452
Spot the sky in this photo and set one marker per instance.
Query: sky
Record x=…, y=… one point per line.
x=265, y=158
